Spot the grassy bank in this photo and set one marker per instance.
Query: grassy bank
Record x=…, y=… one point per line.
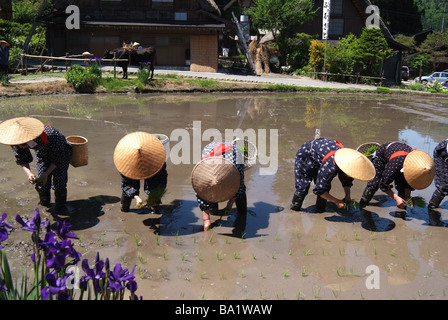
x=54, y=83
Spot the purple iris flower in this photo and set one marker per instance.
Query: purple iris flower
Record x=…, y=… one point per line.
x=3, y=231
x=96, y=273
x=33, y=225
x=119, y=276
x=56, y=285
x=58, y=252
x=63, y=230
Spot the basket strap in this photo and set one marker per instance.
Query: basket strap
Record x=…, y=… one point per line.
x=218, y=150
x=399, y=154
x=329, y=154
x=43, y=136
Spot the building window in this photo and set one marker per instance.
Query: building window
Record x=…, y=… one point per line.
x=336, y=27
x=180, y=16
x=336, y=6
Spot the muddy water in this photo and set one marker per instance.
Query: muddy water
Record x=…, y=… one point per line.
x=283, y=254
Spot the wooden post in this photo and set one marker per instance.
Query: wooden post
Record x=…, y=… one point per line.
x=115, y=66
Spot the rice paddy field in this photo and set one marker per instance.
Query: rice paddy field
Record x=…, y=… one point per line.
x=381, y=252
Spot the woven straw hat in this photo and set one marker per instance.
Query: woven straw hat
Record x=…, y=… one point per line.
x=418, y=169
x=6, y=42
x=215, y=179
x=139, y=155
x=20, y=130
x=354, y=164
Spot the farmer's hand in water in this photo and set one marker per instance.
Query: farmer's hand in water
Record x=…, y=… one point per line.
x=31, y=178
x=401, y=203
x=340, y=204
x=138, y=200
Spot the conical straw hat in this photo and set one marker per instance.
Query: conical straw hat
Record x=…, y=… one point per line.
x=354, y=164
x=215, y=179
x=139, y=155
x=418, y=169
x=20, y=130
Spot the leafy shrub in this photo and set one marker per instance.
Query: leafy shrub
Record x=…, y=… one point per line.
x=95, y=67
x=82, y=79
x=144, y=72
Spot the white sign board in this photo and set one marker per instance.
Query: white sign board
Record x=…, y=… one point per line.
x=326, y=19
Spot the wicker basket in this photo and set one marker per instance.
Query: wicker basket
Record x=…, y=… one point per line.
x=366, y=146
x=80, y=154
x=251, y=157
x=166, y=143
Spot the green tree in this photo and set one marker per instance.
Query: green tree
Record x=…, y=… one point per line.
x=297, y=48
x=420, y=61
x=370, y=50
x=432, y=14
x=341, y=59
x=436, y=45
x=282, y=18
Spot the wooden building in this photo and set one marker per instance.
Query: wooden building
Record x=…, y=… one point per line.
x=184, y=32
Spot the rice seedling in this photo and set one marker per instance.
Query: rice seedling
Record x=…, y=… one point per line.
x=141, y=258
x=392, y=252
x=351, y=204
x=155, y=196
x=221, y=276
x=307, y=252
x=243, y=275
x=304, y=272
x=101, y=240
x=137, y=241
x=285, y=274
x=218, y=255
x=316, y=291
x=203, y=275
x=236, y=255
x=290, y=252
x=371, y=150
x=416, y=202
x=157, y=239
x=184, y=256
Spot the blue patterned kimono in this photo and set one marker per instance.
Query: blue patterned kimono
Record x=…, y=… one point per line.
x=315, y=162
x=235, y=157
x=52, y=147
